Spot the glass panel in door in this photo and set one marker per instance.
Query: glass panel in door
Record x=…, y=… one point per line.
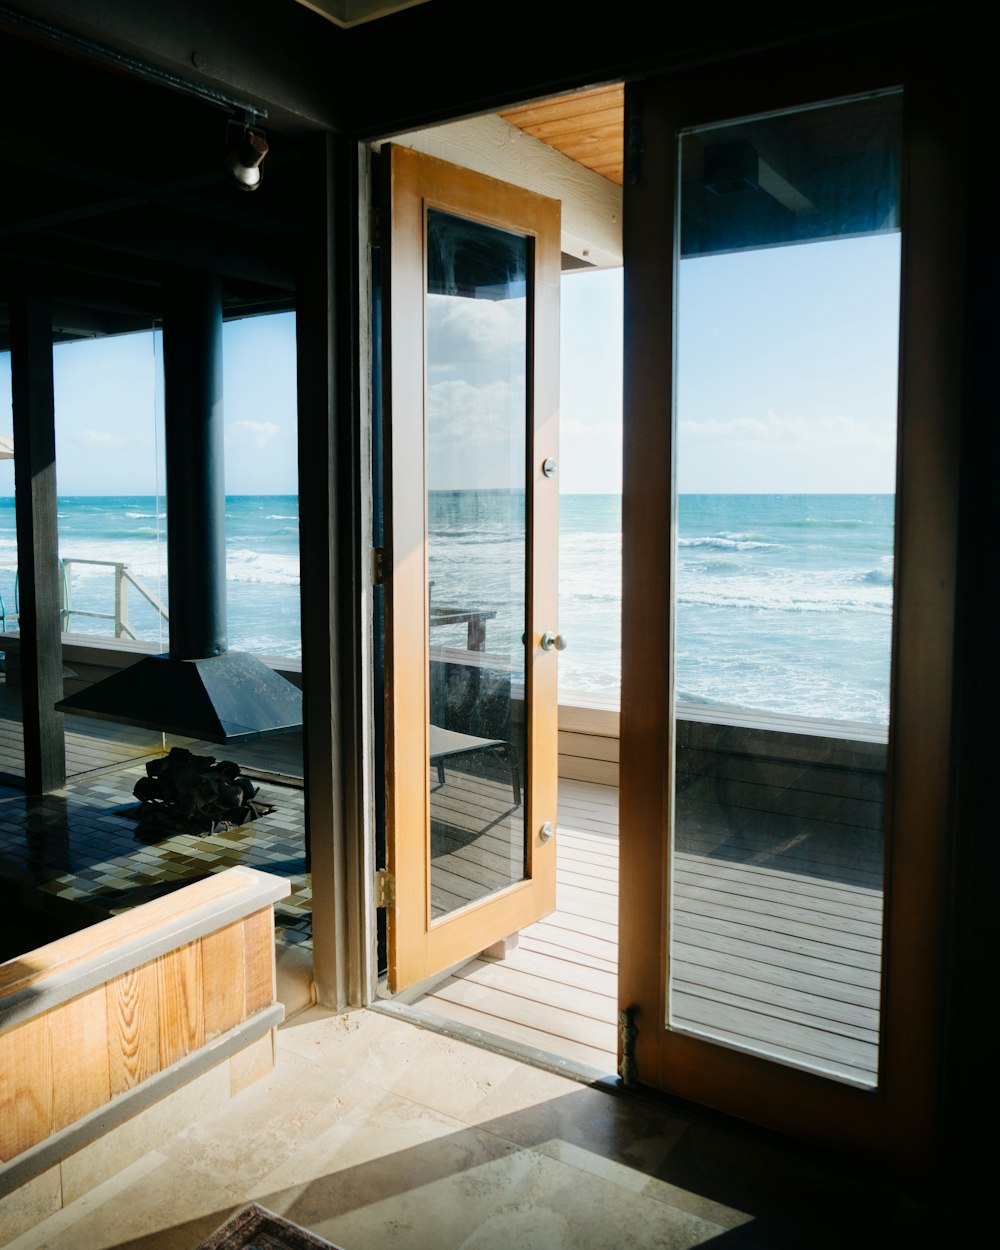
x=786, y=391
x=476, y=421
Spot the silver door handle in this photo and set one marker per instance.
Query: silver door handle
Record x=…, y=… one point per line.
x=550, y=640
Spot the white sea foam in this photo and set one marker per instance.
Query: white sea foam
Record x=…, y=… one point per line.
x=727, y=542
x=247, y=565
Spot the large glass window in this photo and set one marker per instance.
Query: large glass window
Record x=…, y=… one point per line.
x=787, y=359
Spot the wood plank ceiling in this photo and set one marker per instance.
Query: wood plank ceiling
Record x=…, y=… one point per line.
x=587, y=126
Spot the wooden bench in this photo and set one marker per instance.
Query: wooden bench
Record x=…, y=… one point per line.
x=124, y=1018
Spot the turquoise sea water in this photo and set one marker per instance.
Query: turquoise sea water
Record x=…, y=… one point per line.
x=784, y=602
x=262, y=564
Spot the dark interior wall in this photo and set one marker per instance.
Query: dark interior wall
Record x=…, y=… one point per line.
x=409, y=69
x=970, y=1087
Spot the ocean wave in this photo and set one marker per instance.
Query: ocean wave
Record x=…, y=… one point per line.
x=258, y=568
x=96, y=549
x=877, y=577
x=280, y=516
x=806, y=522
x=722, y=543
x=783, y=600
x=146, y=516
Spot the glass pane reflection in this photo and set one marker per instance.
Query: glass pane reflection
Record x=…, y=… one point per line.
x=476, y=319
x=787, y=351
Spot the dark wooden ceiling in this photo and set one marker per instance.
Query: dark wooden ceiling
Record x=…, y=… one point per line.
x=110, y=181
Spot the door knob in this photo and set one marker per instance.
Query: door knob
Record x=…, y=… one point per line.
x=550, y=640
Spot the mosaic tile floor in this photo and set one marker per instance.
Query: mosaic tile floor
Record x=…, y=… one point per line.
x=75, y=846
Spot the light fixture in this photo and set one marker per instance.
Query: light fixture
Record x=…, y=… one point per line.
x=246, y=147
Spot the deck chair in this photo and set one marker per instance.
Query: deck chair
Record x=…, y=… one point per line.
x=449, y=743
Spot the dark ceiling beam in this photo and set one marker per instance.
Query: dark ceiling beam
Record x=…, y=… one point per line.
x=96, y=287
x=129, y=192
x=565, y=46
x=70, y=322
x=280, y=55
x=191, y=246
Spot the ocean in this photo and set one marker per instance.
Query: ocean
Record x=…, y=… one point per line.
x=784, y=602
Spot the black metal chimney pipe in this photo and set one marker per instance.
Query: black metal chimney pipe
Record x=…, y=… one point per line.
x=196, y=492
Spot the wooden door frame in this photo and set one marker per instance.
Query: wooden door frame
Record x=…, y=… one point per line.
x=895, y=1124
x=418, y=947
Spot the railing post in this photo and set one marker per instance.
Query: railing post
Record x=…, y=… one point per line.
x=122, y=629
x=67, y=612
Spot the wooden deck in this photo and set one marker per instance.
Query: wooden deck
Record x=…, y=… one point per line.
x=558, y=991
x=776, y=940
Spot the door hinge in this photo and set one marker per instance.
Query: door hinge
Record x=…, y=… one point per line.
x=385, y=889
x=378, y=566
x=628, y=1073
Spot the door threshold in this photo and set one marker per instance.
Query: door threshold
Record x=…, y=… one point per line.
x=584, y=1073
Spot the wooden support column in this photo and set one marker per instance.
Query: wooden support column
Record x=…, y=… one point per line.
x=37, y=543
x=325, y=312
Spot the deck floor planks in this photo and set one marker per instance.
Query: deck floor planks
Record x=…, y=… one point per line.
x=777, y=937
x=557, y=990
x=499, y=1026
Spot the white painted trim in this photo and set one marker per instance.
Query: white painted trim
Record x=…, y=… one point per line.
x=591, y=205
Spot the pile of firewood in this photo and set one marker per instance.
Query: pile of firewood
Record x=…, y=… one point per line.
x=198, y=791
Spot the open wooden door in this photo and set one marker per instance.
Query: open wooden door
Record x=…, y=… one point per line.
x=471, y=303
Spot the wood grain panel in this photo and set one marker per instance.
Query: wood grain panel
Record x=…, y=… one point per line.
x=78, y=1040
x=223, y=979
x=100, y=939
x=133, y=1028
x=178, y=994
x=258, y=944
x=25, y=1087
x=588, y=127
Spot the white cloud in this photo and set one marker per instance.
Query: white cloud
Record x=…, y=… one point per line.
x=777, y=454
x=837, y=432
x=256, y=433
x=478, y=331
x=480, y=414
x=101, y=439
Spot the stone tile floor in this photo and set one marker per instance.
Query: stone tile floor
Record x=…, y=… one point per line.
x=377, y=1134
x=76, y=847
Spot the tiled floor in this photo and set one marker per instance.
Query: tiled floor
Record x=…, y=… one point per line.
x=77, y=846
x=377, y=1134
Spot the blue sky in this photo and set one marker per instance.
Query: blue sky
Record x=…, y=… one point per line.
x=108, y=395
x=787, y=371
x=787, y=363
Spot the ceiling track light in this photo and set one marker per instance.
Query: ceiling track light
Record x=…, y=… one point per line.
x=130, y=64
x=246, y=147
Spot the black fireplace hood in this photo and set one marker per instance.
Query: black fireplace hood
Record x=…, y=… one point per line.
x=200, y=689
x=230, y=697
